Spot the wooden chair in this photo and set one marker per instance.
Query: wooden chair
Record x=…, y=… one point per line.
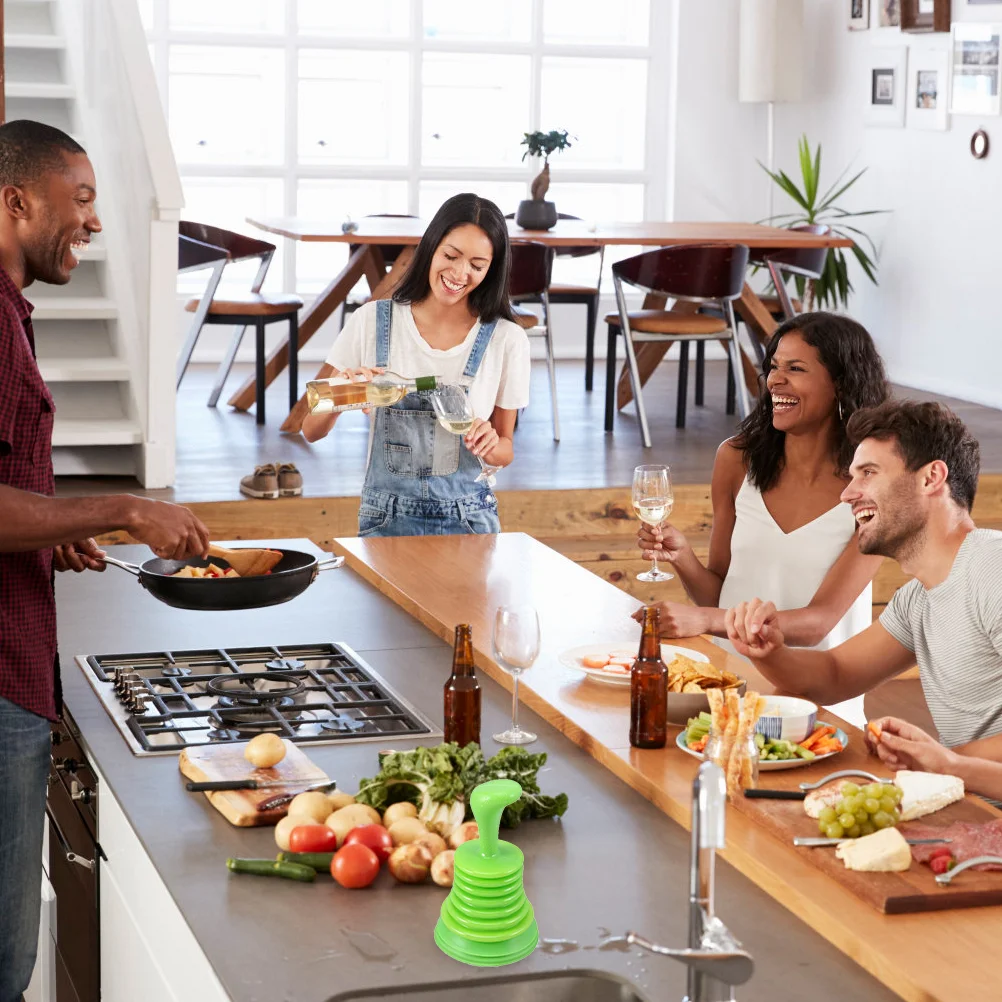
x=531, y=267
x=580, y=295
x=701, y=274
x=253, y=308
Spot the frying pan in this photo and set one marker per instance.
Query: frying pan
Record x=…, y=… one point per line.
x=291, y=576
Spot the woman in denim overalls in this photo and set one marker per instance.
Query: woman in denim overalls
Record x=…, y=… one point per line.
x=420, y=479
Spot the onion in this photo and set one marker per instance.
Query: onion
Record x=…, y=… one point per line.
x=466, y=832
x=410, y=863
x=443, y=868
x=434, y=843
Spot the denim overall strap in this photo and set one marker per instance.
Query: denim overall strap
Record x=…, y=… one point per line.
x=384, y=315
x=420, y=480
x=479, y=349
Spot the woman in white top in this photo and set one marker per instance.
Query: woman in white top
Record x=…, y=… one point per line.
x=450, y=318
x=779, y=530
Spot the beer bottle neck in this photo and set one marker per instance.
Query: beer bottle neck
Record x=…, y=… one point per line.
x=462, y=657
x=650, y=639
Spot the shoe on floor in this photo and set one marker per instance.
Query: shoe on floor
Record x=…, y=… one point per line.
x=290, y=480
x=262, y=483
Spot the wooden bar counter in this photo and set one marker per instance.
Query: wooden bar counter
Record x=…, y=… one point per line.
x=444, y=580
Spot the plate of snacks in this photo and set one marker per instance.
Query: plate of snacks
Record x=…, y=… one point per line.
x=612, y=663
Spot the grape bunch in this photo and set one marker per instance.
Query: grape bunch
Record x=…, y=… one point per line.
x=861, y=810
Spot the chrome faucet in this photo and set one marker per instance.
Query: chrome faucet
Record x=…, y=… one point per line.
x=715, y=959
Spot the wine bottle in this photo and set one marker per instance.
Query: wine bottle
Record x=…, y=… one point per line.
x=327, y=396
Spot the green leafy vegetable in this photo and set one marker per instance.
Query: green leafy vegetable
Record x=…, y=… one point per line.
x=437, y=780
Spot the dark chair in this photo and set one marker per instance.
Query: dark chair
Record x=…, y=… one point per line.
x=701, y=274
x=390, y=253
x=580, y=295
x=531, y=267
x=808, y=262
x=214, y=245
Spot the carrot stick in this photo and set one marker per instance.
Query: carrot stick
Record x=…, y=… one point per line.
x=819, y=733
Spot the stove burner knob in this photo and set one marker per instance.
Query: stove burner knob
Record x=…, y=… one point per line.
x=80, y=793
x=66, y=764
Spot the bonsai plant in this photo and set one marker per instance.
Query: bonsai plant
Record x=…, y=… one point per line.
x=833, y=287
x=536, y=213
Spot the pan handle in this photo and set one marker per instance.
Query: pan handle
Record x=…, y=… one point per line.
x=330, y=564
x=131, y=568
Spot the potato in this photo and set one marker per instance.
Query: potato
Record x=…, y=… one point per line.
x=352, y=816
x=264, y=751
x=467, y=831
x=314, y=803
x=433, y=842
x=443, y=868
x=397, y=812
x=284, y=828
x=410, y=864
x=407, y=830
x=337, y=800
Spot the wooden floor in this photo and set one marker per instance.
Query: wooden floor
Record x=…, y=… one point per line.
x=217, y=446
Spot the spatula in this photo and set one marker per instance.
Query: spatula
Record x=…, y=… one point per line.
x=247, y=562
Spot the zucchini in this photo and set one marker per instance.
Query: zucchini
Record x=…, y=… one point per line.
x=272, y=868
x=319, y=861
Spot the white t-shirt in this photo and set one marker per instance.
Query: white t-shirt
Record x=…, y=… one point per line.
x=501, y=381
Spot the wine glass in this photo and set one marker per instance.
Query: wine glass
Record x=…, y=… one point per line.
x=652, y=501
x=516, y=647
x=455, y=415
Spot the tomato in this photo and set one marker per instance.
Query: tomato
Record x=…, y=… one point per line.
x=354, y=866
x=375, y=837
x=312, y=838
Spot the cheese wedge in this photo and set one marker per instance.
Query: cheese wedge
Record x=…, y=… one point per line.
x=925, y=792
x=883, y=851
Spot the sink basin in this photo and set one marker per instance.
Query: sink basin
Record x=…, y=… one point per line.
x=582, y=986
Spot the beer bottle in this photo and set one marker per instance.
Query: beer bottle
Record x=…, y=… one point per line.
x=649, y=687
x=462, y=692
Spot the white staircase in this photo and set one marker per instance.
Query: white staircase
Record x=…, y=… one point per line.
x=105, y=341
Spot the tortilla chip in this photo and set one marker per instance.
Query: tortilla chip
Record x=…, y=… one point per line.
x=692, y=687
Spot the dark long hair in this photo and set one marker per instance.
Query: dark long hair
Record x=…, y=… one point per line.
x=489, y=300
x=848, y=353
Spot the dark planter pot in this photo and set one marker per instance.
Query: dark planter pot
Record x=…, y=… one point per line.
x=536, y=215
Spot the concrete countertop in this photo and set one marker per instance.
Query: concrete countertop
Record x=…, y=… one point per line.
x=613, y=863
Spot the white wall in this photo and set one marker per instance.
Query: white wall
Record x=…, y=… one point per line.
x=934, y=315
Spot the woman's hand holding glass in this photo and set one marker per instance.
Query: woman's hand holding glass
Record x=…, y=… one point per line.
x=455, y=415
x=653, y=498
x=662, y=541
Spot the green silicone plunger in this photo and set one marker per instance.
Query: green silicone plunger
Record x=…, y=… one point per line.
x=487, y=920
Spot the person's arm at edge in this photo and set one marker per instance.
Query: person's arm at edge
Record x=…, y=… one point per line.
x=848, y=670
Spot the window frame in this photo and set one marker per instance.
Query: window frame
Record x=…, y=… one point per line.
x=655, y=175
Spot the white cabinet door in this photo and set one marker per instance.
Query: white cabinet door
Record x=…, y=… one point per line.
x=43, y=981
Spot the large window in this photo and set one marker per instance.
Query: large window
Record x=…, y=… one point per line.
x=324, y=108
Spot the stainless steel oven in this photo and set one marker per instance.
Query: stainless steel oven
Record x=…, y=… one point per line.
x=74, y=858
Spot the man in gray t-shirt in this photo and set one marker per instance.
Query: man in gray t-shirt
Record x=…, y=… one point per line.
x=914, y=476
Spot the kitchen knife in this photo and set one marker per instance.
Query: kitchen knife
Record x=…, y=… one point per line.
x=775, y=794
x=213, y=785
x=812, y=842
x=283, y=798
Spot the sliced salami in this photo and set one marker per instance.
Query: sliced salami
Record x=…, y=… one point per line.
x=967, y=840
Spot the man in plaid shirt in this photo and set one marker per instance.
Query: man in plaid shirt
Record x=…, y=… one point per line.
x=47, y=193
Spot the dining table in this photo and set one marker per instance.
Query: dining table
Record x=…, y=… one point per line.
x=368, y=237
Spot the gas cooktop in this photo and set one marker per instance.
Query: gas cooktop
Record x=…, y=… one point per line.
x=164, y=701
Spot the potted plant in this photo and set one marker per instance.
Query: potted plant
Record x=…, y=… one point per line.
x=813, y=206
x=536, y=213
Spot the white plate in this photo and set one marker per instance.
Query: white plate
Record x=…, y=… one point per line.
x=779, y=765
x=572, y=659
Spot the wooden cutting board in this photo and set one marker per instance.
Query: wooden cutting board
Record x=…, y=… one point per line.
x=239, y=807
x=915, y=889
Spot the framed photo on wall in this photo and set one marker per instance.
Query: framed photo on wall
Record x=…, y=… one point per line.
x=927, y=94
x=888, y=13
x=925, y=15
x=885, y=87
x=975, y=84
x=859, y=14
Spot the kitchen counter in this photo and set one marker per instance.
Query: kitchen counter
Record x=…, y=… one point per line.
x=615, y=861
x=926, y=957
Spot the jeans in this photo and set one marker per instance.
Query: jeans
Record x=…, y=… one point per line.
x=24, y=769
